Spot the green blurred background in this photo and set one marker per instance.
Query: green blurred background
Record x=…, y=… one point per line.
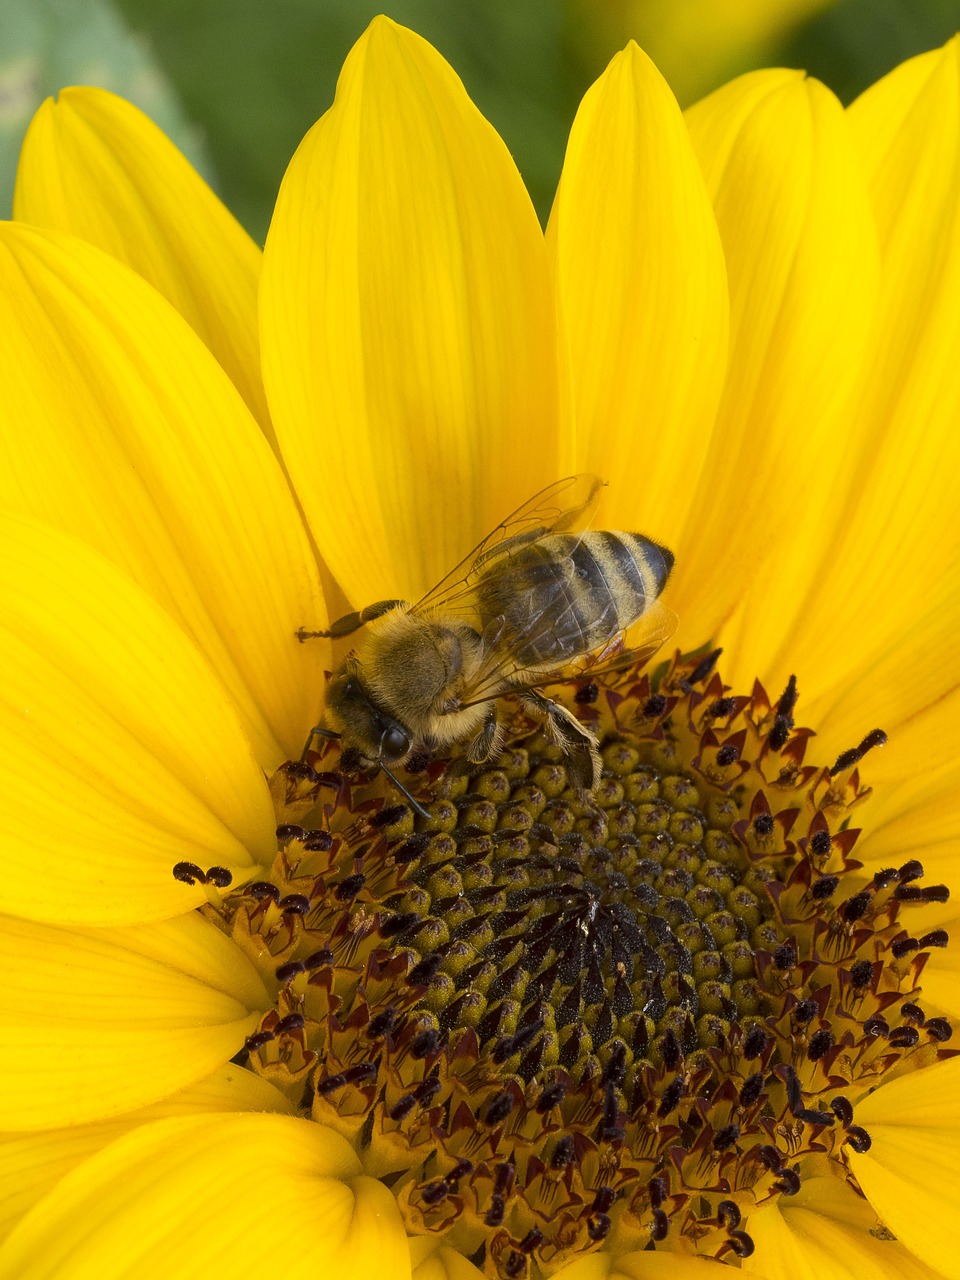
x=236, y=83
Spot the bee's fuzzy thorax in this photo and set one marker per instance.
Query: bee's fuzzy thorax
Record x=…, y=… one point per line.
x=417, y=666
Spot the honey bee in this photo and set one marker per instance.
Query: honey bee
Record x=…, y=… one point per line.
x=533, y=601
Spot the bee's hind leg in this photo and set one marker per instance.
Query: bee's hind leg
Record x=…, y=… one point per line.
x=574, y=739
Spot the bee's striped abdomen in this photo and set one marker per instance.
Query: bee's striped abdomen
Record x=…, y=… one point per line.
x=623, y=559
x=567, y=595
x=616, y=577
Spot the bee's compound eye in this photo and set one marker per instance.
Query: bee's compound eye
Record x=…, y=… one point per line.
x=395, y=743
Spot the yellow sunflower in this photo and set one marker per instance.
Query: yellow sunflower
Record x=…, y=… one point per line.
x=262, y=1018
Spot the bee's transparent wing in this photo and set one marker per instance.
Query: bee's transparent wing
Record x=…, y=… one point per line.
x=564, y=505
x=502, y=668
x=632, y=647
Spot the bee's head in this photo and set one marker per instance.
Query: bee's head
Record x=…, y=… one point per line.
x=363, y=724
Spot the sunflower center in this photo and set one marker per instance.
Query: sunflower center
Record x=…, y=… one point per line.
x=577, y=934
x=548, y=1022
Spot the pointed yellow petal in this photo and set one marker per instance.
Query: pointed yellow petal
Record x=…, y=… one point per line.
x=93, y=1025
x=32, y=1164
x=909, y=1175
x=183, y=1197
x=94, y=165
x=893, y=529
x=408, y=329
x=120, y=753
x=803, y=268
x=119, y=427
x=642, y=297
x=826, y=1232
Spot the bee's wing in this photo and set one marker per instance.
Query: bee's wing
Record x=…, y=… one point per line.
x=564, y=505
x=501, y=669
x=634, y=646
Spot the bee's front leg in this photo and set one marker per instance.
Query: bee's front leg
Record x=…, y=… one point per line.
x=318, y=731
x=350, y=622
x=573, y=738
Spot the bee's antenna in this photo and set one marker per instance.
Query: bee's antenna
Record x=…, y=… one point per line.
x=417, y=807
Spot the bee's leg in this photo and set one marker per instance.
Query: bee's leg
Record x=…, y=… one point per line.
x=481, y=747
x=350, y=622
x=487, y=741
x=575, y=739
x=318, y=731
x=415, y=804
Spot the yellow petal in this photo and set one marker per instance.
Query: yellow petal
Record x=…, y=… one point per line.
x=32, y=1164
x=93, y=1025
x=917, y=819
x=94, y=165
x=598, y=1266
x=911, y=689
x=642, y=297
x=892, y=531
x=661, y=1266
x=408, y=329
x=826, y=1232
x=803, y=269
x=119, y=427
x=940, y=980
x=192, y=1197
x=120, y=753
x=914, y=810
x=440, y=1263
x=909, y=1175
x=912, y=680
x=642, y=1265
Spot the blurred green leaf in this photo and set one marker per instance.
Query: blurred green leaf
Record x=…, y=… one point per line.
x=259, y=74
x=858, y=41
x=48, y=44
